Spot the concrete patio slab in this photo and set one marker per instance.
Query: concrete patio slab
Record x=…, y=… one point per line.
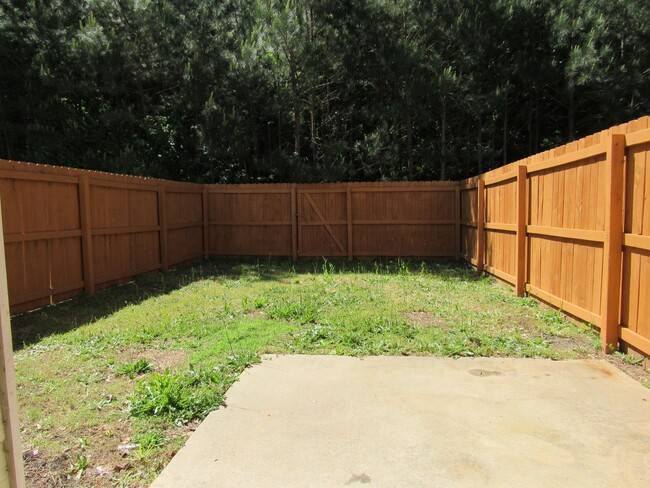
x=315, y=421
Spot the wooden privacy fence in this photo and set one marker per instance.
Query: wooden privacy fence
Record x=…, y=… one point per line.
x=571, y=227
x=68, y=231
x=416, y=219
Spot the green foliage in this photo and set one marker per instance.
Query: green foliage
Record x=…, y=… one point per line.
x=314, y=90
x=304, y=310
x=79, y=467
x=135, y=368
x=150, y=440
x=628, y=358
x=183, y=397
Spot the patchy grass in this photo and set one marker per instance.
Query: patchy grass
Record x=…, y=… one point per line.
x=132, y=370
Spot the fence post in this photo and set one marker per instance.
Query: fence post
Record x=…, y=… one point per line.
x=480, y=226
x=206, y=224
x=613, y=245
x=162, y=222
x=9, y=404
x=294, y=226
x=86, y=236
x=522, y=221
x=348, y=192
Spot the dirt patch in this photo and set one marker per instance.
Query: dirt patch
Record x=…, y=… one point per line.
x=565, y=343
x=256, y=315
x=105, y=460
x=162, y=359
x=426, y=320
x=43, y=470
x=636, y=371
x=109, y=462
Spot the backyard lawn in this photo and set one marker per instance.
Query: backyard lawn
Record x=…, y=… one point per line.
x=110, y=387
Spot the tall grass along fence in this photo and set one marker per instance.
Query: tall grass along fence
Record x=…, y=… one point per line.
x=570, y=226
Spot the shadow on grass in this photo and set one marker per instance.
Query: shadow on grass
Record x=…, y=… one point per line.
x=30, y=327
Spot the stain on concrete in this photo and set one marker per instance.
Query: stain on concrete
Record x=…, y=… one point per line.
x=605, y=370
x=362, y=478
x=484, y=372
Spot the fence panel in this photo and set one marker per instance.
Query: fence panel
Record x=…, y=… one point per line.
x=125, y=230
x=184, y=222
x=469, y=216
x=568, y=229
x=407, y=220
x=501, y=226
x=43, y=237
x=250, y=220
x=67, y=230
x=322, y=221
x=635, y=306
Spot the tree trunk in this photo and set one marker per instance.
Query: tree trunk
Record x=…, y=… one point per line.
x=312, y=122
x=536, y=147
x=443, y=159
x=480, y=144
x=530, y=129
x=296, y=119
x=409, y=143
x=279, y=132
x=505, y=131
x=8, y=153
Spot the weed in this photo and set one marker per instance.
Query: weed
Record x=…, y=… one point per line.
x=180, y=397
x=79, y=467
x=303, y=311
x=260, y=302
x=136, y=368
x=150, y=440
x=328, y=270
x=629, y=359
x=183, y=397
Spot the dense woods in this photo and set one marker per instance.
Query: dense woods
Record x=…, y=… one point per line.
x=313, y=90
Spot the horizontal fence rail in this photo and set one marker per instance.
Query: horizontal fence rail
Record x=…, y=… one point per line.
x=570, y=226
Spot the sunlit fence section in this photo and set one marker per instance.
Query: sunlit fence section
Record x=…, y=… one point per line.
x=571, y=227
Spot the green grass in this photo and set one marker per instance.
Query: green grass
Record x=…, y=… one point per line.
x=140, y=364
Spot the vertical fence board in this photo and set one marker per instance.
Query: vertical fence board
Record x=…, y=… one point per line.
x=480, y=239
x=162, y=222
x=86, y=235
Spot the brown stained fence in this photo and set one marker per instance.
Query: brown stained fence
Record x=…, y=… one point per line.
x=571, y=227
x=69, y=230
x=335, y=220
